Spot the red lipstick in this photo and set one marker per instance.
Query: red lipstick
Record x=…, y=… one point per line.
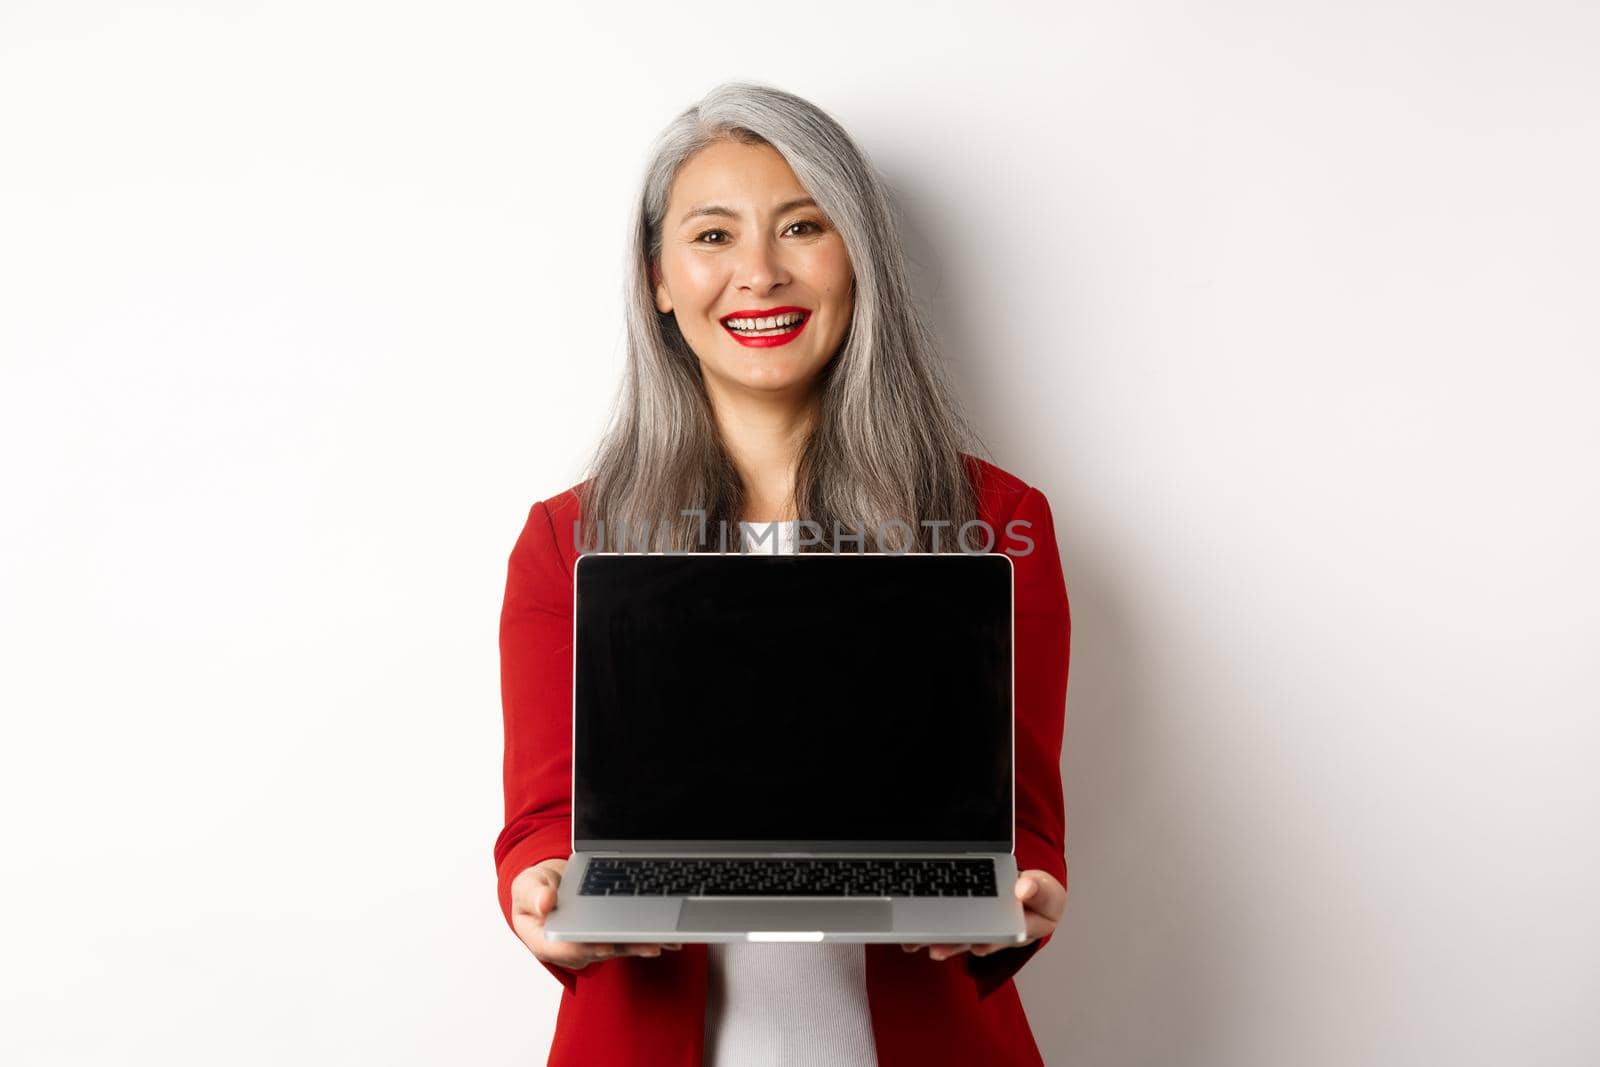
x=769, y=340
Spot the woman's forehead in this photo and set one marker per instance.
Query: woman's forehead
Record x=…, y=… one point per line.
x=737, y=178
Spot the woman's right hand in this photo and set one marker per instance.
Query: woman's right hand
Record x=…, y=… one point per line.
x=533, y=896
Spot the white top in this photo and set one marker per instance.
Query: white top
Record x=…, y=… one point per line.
x=787, y=1005
x=761, y=537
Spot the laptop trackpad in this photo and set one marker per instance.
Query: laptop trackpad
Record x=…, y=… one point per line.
x=735, y=916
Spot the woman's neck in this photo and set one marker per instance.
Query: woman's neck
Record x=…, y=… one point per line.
x=764, y=440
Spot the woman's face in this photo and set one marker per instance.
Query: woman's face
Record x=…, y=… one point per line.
x=741, y=240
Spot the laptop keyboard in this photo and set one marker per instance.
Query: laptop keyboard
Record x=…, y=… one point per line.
x=608, y=876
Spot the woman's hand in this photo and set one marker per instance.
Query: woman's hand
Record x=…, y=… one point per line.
x=1043, y=899
x=533, y=896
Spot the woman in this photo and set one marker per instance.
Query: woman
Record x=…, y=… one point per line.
x=777, y=372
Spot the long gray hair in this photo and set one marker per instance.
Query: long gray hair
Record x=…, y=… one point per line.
x=885, y=456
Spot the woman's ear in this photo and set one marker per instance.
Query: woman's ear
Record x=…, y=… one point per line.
x=663, y=298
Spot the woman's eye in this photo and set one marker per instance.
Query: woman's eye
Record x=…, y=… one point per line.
x=700, y=238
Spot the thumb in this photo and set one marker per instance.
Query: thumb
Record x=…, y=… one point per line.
x=1040, y=892
x=541, y=888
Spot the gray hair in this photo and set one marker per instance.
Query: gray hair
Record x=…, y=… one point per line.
x=889, y=437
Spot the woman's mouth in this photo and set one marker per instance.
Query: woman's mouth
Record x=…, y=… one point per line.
x=764, y=329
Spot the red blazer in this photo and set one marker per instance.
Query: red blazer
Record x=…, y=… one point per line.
x=651, y=1010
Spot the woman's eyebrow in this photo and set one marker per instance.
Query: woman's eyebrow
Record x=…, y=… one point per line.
x=717, y=209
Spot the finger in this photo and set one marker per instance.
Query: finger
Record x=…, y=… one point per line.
x=574, y=954
x=1041, y=894
x=944, y=952
x=640, y=950
x=529, y=891
x=524, y=895
x=596, y=952
x=913, y=948
x=544, y=900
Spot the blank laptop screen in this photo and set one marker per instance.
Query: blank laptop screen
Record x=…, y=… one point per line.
x=793, y=699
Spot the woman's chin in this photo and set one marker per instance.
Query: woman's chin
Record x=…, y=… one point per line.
x=774, y=378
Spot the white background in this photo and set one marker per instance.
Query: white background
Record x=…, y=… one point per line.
x=1288, y=308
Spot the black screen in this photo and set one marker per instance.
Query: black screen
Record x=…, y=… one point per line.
x=860, y=698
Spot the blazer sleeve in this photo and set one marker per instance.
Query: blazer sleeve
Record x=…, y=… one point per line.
x=536, y=698
x=1043, y=638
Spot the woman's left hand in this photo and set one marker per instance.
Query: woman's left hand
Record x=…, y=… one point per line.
x=1043, y=899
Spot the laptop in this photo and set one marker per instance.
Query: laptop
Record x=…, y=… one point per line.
x=813, y=747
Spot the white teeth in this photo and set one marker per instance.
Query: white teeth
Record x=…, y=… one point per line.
x=770, y=322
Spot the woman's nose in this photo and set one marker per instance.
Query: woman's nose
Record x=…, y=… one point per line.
x=761, y=266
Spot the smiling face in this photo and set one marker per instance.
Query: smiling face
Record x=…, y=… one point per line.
x=742, y=242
